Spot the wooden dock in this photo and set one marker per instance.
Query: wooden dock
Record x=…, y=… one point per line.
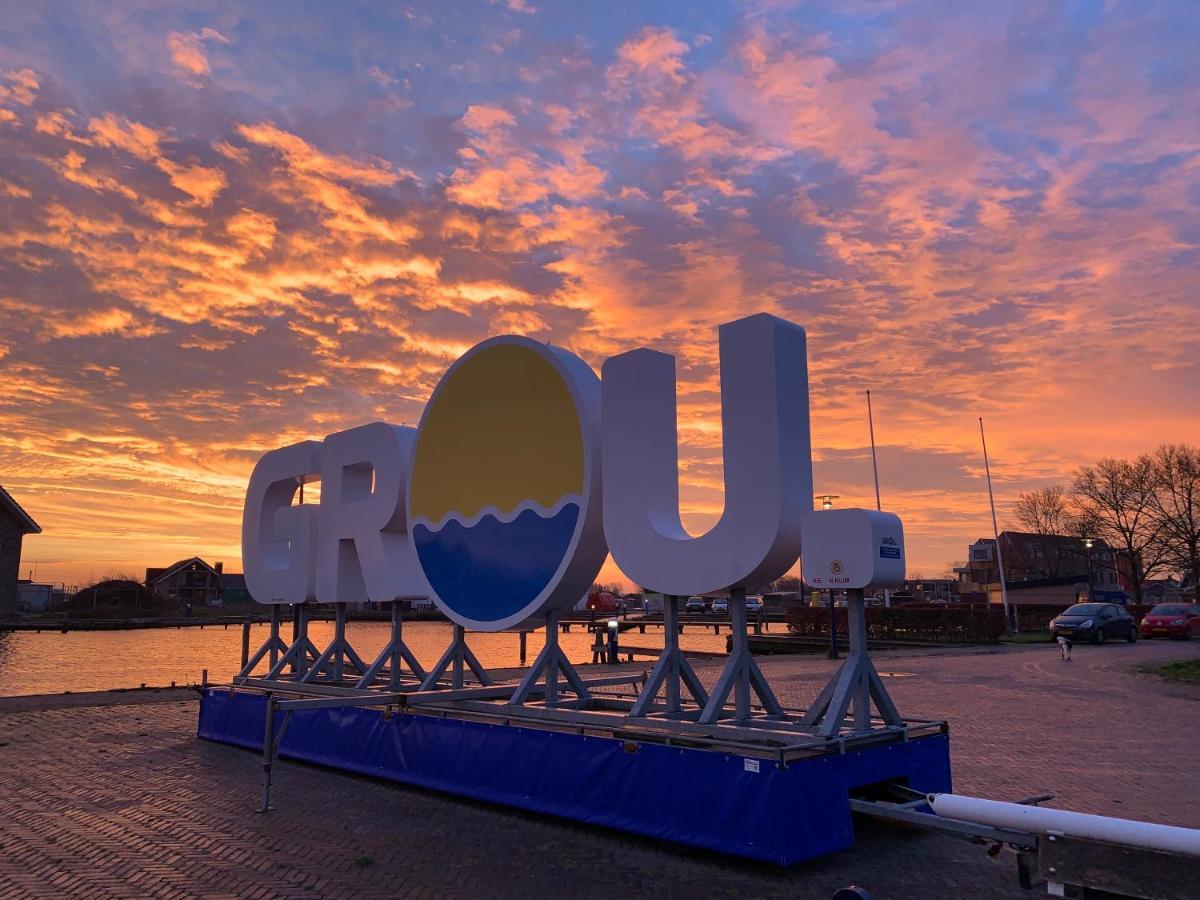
x=641, y=622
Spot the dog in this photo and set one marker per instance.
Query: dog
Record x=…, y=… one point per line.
x=1064, y=647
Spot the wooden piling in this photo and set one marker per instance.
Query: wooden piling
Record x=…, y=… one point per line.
x=245, y=643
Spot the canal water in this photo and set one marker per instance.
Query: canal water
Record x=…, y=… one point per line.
x=52, y=662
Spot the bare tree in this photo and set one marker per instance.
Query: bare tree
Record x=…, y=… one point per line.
x=1043, y=511
x=1116, y=497
x=1176, y=506
x=1047, y=513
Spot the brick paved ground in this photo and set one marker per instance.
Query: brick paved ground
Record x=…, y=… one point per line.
x=123, y=800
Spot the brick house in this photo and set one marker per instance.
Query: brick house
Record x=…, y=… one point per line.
x=15, y=523
x=189, y=581
x=1044, y=568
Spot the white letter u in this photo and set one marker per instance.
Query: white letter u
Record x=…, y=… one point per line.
x=767, y=454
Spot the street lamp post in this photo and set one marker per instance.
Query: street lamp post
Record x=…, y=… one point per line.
x=1087, y=543
x=827, y=503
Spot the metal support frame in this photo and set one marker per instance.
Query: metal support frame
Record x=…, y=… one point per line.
x=856, y=683
x=457, y=658
x=549, y=663
x=741, y=673
x=671, y=668
x=272, y=646
x=332, y=662
x=392, y=656
x=301, y=652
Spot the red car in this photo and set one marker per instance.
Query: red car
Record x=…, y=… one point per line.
x=604, y=602
x=1176, y=620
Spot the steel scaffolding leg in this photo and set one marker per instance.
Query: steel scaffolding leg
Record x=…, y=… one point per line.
x=741, y=674
x=671, y=668
x=271, y=740
x=300, y=653
x=855, y=684
x=273, y=645
x=392, y=657
x=332, y=662
x=457, y=658
x=549, y=663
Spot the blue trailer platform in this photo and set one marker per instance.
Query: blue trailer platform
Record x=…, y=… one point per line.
x=770, y=792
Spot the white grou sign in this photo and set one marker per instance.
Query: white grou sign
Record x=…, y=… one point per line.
x=526, y=471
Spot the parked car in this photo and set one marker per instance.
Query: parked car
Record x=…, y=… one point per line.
x=1174, y=620
x=1095, y=622
x=695, y=605
x=754, y=604
x=604, y=602
x=720, y=607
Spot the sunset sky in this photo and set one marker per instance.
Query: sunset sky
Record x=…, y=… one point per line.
x=228, y=227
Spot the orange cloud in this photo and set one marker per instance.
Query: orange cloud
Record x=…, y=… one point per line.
x=963, y=222
x=187, y=49
x=21, y=88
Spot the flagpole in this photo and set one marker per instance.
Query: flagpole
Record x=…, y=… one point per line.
x=887, y=592
x=995, y=530
x=874, y=462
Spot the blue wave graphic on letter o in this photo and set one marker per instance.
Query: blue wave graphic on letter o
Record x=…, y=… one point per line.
x=492, y=569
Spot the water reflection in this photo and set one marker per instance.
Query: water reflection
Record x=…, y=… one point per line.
x=50, y=662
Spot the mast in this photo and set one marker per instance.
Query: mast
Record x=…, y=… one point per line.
x=995, y=530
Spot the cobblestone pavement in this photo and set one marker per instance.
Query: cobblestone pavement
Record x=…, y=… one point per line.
x=122, y=800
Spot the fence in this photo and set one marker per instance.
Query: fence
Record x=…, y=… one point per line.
x=966, y=623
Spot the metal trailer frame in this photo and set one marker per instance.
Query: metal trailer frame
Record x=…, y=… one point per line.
x=841, y=720
x=853, y=687
x=1059, y=861
x=765, y=729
